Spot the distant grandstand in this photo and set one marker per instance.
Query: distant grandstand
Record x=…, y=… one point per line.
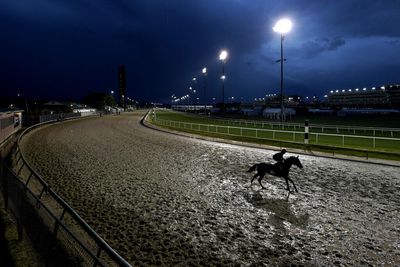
x=387, y=96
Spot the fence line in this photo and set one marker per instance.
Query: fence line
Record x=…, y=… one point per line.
x=29, y=196
x=322, y=127
x=295, y=135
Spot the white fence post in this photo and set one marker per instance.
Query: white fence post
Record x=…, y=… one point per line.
x=306, y=132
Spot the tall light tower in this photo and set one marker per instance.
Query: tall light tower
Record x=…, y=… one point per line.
x=283, y=26
x=204, y=71
x=194, y=85
x=122, y=86
x=223, y=56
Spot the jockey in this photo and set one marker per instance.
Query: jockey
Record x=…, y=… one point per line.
x=278, y=157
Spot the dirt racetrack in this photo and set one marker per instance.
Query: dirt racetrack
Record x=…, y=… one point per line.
x=162, y=199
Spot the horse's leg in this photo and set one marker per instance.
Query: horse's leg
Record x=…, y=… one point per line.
x=287, y=183
x=287, y=197
x=254, y=177
x=292, y=184
x=259, y=180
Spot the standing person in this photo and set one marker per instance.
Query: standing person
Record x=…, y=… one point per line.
x=278, y=157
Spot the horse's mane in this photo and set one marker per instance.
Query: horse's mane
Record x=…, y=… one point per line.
x=291, y=158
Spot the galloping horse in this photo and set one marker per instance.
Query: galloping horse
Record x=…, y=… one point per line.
x=273, y=169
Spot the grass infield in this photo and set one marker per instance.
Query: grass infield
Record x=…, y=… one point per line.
x=333, y=144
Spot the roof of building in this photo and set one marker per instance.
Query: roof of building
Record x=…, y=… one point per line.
x=53, y=103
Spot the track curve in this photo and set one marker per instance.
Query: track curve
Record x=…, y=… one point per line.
x=161, y=199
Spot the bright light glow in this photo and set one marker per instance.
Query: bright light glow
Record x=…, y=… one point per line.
x=204, y=70
x=223, y=55
x=283, y=26
x=364, y=89
x=383, y=87
x=331, y=92
x=223, y=77
x=343, y=90
x=194, y=79
x=112, y=92
x=190, y=88
x=373, y=88
x=357, y=89
x=325, y=96
x=337, y=91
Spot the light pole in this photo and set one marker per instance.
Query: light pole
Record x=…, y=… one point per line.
x=283, y=26
x=223, y=56
x=194, y=84
x=204, y=71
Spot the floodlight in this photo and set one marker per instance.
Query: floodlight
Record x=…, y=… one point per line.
x=283, y=26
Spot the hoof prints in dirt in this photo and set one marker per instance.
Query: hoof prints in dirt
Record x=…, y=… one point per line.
x=164, y=200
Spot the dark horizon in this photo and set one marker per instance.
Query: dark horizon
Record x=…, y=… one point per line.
x=67, y=49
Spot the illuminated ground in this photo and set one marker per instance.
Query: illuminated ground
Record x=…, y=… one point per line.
x=163, y=199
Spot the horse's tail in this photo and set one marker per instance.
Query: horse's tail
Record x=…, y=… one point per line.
x=253, y=168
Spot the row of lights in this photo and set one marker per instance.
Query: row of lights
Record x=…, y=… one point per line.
x=263, y=98
x=283, y=26
x=356, y=90
x=222, y=57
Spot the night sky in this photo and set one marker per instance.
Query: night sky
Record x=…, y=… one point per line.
x=68, y=48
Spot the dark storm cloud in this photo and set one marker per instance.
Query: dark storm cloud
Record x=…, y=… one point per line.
x=71, y=47
x=314, y=47
x=393, y=42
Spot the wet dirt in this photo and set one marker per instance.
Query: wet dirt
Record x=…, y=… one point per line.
x=162, y=199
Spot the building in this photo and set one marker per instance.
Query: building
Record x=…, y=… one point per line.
x=122, y=86
x=387, y=96
x=10, y=122
x=275, y=113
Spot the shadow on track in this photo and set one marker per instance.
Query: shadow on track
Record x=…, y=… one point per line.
x=281, y=209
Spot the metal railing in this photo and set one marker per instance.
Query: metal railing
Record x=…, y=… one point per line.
x=284, y=135
x=33, y=202
x=321, y=127
x=58, y=116
x=343, y=129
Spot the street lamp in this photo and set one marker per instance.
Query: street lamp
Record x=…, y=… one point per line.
x=223, y=56
x=283, y=26
x=204, y=71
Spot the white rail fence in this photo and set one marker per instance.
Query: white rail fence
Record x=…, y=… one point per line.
x=374, y=131
x=286, y=135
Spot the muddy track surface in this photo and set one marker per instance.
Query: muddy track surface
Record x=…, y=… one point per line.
x=161, y=199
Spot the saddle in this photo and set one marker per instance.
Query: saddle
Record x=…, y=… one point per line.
x=277, y=168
